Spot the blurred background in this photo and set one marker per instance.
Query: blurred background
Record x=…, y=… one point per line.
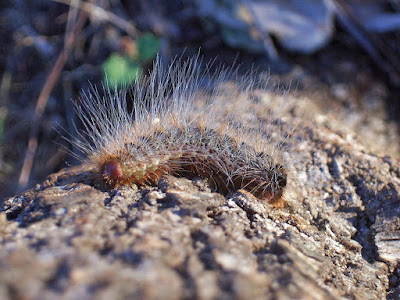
x=342, y=56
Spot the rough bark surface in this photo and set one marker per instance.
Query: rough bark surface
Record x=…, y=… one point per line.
x=338, y=237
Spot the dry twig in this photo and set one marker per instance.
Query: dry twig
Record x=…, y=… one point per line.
x=103, y=14
x=44, y=96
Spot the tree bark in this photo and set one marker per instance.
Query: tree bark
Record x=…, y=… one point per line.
x=338, y=236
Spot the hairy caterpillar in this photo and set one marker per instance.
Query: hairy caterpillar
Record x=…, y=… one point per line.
x=165, y=131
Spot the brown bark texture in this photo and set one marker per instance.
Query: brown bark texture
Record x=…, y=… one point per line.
x=337, y=238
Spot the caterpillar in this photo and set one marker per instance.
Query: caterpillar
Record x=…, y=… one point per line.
x=166, y=130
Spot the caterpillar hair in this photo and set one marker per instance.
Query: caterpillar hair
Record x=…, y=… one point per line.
x=167, y=130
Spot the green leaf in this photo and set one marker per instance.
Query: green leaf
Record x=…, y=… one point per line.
x=148, y=46
x=120, y=70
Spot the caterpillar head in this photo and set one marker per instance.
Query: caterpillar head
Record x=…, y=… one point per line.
x=112, y=171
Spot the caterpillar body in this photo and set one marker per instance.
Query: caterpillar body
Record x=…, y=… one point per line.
x=166, y=131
